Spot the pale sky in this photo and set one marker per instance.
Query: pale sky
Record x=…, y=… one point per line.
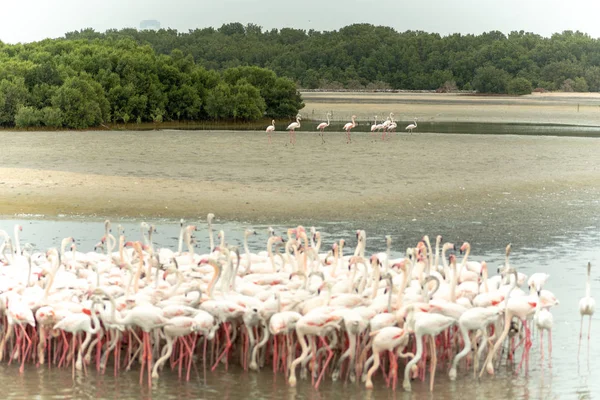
x=33, y=20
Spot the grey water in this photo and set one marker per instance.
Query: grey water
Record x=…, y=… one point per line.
x=563, y=252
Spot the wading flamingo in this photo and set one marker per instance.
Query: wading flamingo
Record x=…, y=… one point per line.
x=270, y=128
x=321, y=127
x=292, y=128
x=410, y=127
x=374, y=127
x=587, y=305
x=348, y=127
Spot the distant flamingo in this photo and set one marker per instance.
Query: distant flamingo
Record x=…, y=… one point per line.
x=270, y=128
x=348, y=127
x=292, y=128
x=322, y=127
x=393, y=125
x=410, y=127
x=587, y=305
x=374, y=127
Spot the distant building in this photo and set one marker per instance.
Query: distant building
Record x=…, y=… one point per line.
x=150, y=24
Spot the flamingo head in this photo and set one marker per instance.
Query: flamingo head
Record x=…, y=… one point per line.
x=464, y=247
x=375, y=260
x=452, y=259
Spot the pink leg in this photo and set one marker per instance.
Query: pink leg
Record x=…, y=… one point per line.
x=226, y=350
x=149, y=361
x=329, y=357
x=542, y=343
x=275, y=360
x=550, y=345
x=143, y=361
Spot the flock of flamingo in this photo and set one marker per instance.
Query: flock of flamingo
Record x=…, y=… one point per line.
x=389, y=125
x=291, y=307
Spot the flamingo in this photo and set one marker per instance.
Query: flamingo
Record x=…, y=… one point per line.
x=410, y=127
x=386, y=125
x=374, y=127
x=393, y=125
x=315, y=323
x=544, y=321
x=425, y=324
x=270, y=128
x=388, y=338
x=587, y=305
x=292, y=128
x=519, y=307
x=321, y=127
x=348, y=127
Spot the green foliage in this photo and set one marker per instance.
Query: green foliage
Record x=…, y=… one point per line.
x=580, y=84
x=519, y=86
x=13, y=95
x=90, y=78
x=360, y=54
x=490, y=79
x=52, y=117
x=28, y=117
x=82, y=103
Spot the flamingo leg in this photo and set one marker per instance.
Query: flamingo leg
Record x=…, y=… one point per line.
x=433, y=363
x=550, y=345
x=329, y=357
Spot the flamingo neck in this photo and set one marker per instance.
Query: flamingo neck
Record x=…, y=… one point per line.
x=454, y=280
x=588, y=291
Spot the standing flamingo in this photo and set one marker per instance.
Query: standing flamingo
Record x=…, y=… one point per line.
x=374, y=127
x=393, y=125
x=270, y=128
x=587, y=306
x=410, y=127
x=292, y=128
x=322, y=127
x=348, y=127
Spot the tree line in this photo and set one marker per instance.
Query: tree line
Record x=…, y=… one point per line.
x=364, y=56
x=83, y=82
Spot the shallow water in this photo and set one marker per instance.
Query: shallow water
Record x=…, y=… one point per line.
x=563, y=256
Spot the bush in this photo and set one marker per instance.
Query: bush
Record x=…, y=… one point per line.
x=580, y=84
x=52, y=117
x=519, y=86
x=28, y=116
x=490, y=80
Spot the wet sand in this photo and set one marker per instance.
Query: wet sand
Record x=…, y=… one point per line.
x=239, y=176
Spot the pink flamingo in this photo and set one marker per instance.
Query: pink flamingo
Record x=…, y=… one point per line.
x=292, y=128
x=388, y=338
x=316, y=323
x=425, y=324
x=321, y=127
x=270, y=128
x=348, y=127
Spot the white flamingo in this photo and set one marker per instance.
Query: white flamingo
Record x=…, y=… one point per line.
x=587, y=306
x=348, y=127
x=292, y=128
x=270, y=129
x=410, y=127
x=321, y=127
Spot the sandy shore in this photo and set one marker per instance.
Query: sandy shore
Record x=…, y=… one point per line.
x=239, y=176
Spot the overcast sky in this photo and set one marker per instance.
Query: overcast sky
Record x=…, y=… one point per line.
x=33, y=20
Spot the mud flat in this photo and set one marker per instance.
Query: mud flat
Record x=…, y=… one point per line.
x=239, y=176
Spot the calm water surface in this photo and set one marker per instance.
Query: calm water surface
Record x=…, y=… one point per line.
x=562, y=252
